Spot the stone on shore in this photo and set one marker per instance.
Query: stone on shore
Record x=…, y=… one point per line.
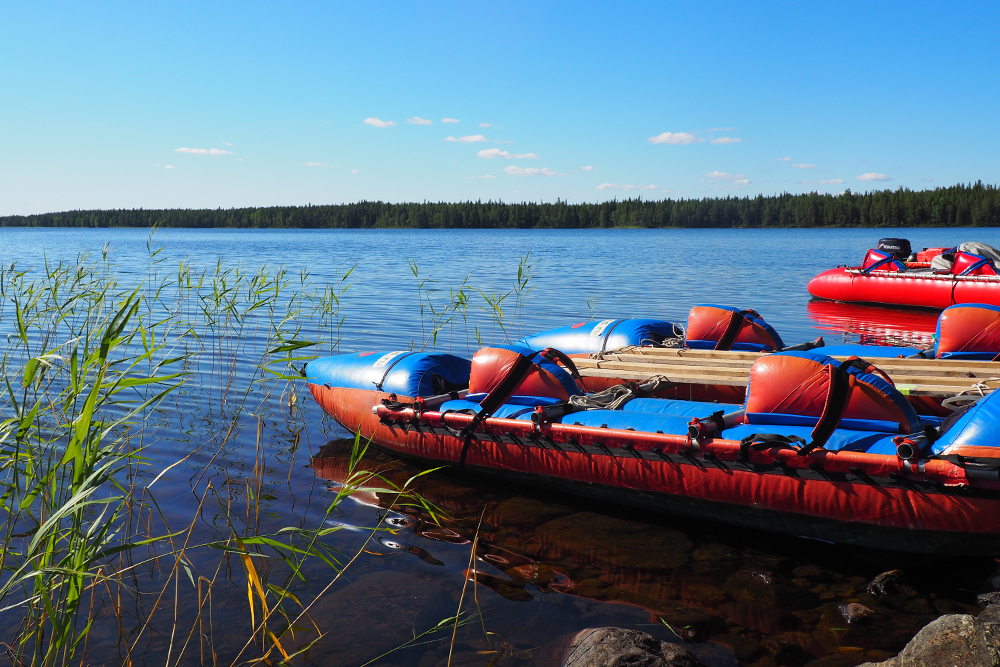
x=618, y=647
x=953, y=640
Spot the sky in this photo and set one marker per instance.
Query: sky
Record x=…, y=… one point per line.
x=205, y=105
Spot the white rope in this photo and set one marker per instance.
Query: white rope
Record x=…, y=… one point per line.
x=615, y=397
x=968, y=396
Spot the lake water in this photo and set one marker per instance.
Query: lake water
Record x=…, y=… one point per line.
x=545, y=566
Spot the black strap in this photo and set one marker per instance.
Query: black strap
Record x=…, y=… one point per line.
x=736, y=319
x=389, y=367
x=720, y=423
x=767, y=440
x=497, y=397
x=607, y=334
x=556, y=356
x=837, y=396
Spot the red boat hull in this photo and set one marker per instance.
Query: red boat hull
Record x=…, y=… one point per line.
x=926, y=290
x=865, y=499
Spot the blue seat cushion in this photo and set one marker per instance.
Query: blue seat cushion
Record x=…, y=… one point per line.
x=670, y=406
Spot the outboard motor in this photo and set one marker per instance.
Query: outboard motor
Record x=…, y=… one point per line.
x=898, y=248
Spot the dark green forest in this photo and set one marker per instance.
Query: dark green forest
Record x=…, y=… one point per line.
x=974, y=205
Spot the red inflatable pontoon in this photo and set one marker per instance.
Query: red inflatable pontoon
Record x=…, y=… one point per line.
x=932, y=278
x=905, y=288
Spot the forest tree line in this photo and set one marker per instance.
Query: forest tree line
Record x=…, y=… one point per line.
x=973, y=205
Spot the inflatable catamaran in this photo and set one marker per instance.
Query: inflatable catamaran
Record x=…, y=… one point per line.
x=932, y=278
x=811, y=444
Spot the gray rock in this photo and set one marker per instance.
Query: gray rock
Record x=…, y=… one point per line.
x=885, y=584
x=618, y=647
x=951, y=641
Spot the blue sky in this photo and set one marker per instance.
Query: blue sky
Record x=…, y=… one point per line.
x=253, y=104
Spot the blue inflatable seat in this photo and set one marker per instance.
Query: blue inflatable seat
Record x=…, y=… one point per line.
x=670, y=406
x=869, y=351
x=646, y=422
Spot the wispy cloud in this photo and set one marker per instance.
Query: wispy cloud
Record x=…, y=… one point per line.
x=354, y=171
x=490, y=153
x=378, y=122
x=513, y=170
x=725, y=140
x=612, y=186
x=450, y=120
x=872, y=177
x=803, y=165
x=225, y=143
x=721, y=129
x=586, y=168
x=203, y=151
x=784, y=159
x=831, y=181
x=484, y=176
x=471, y=139
x=674, y=138
x=168, y=166
x=486, y=125
x=737, y=180
x=417, y=120
x=317, y=164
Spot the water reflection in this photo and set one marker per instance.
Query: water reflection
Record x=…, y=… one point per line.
x=874, y=325
x=731, y=594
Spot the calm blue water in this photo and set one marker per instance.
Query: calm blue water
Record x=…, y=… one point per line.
x=630, y=272
x=546, y=567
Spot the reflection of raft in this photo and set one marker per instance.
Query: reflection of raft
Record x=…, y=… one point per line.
x=875, y=325
x=819, y=448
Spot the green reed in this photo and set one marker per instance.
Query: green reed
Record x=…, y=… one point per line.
x=93, y=367
x=90, y=366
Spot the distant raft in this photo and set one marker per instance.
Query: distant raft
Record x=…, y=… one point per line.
x=933, y=278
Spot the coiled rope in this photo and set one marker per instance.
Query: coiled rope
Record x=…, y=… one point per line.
x=613, y=398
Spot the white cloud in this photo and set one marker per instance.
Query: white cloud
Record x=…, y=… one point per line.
x=502, y=141
x=417, y=120
x=378, y=122
x=490, y=153
x=784, y=159
x=354, y=171
x=225, y=143
x=803, y=165
x=203, y=151
x=612, y=186
x=586, y=168
x=450, y=120
x=317, y=164
x=530, y=171
x=872, y=177
x=725, y=140
x=832, y=181
x=168, y=166
x=721, y=129
x=736, y=179
x=484, y=176
x=674, y=138
x=486, y=125
x=471, y=139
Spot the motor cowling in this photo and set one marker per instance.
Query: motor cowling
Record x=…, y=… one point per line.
x=898, y=248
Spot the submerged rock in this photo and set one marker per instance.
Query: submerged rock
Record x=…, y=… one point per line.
x=953, y=640
x=618, y=647
x=617, y=543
